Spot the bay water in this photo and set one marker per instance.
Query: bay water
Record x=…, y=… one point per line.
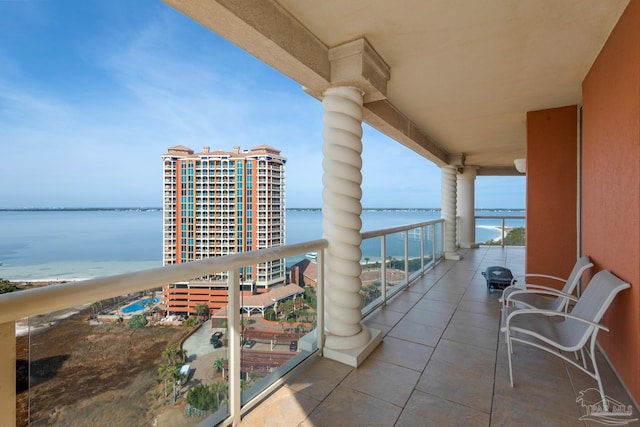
x=64, y=244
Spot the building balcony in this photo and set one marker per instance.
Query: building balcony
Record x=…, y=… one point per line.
x=442, y=360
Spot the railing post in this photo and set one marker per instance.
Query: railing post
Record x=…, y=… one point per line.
x=383, y=269
x=502, y=231
x=422, y=231
x=320, y=302
x=234, y=346
x=433, y=244
x=8, y=373
x=406, y=257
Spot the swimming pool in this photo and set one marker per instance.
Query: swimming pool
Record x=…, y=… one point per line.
x=138, y=305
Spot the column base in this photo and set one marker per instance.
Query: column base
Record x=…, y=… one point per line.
x=469, y=245
x=354, y=357
x=453, y=256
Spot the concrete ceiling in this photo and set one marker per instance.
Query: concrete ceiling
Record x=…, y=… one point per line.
x=462, y=74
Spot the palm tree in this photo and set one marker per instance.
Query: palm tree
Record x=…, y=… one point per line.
x=218, y=389
x=168, y=373
x=202, y=310
x=170, y=370
x=218, y=364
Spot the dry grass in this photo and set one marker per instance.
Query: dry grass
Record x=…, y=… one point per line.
x=91, y=375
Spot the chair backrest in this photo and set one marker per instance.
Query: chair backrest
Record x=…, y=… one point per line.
x=592, y=305
x=582, y=265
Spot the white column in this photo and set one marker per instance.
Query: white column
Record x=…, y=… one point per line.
x=466, y=207
x=449, y=212
x=347, y=340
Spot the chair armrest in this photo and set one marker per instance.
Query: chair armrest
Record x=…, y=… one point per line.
x=540, y=290
x=546, y=276
x=550, y=313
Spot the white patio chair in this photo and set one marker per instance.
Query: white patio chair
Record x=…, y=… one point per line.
x=554, y=331
x=529, y=295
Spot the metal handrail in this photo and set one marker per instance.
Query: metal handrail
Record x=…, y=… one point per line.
x=31, y=302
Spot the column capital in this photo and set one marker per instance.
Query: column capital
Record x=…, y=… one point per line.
x=468, y=172
x=358, y=65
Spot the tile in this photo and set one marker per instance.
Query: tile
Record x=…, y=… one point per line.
x=480, y=307
x=403, y=353
x=436, y=306
x=465, y=354
x=489, y=322
x=347, y=407
x=530, y=361
x=449, y=297
x=538, y=389
x=427, y=410
x=414, y=332
x=384, y=329
x=428, y=318
x=319, y=379
x=467, y=334
x=513, y=412
x=464, y=385
x=382, y=380
x=400, y=305
x=284, y=407
x=385, y=316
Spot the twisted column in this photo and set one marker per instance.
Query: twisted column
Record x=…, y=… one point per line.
x=341, y=221
x=449, y=211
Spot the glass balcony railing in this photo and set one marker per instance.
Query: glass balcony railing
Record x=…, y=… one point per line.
x=500, y=230
x=404, y=254
x=106, y=351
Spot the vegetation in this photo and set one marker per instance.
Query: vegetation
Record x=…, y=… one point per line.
x=202, y=310
x=137, y=321
x=515, y=237
x=270, y=314
x=370, y=292
x=191, y=321
x=6, y=286
x=310, y=298
x=169, y=371
x=207, y=397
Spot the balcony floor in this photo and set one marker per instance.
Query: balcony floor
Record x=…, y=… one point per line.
x=442, y=362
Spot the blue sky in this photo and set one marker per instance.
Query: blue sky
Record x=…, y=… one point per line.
x=92, y=93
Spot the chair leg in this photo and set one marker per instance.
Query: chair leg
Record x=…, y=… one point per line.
x=509, y=352
x=596, y=372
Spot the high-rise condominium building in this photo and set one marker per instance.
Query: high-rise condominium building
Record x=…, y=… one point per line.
x=219, y=203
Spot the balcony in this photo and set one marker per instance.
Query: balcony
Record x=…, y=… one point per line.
x=441, y=361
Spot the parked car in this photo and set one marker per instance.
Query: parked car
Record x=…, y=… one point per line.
x=218, y=334
x=250, y=343
x=216, y=343
x=293, y=346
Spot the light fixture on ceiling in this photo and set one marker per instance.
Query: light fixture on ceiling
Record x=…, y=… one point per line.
x=521, y=165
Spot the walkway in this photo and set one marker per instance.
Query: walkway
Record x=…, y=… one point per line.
x=442, y=362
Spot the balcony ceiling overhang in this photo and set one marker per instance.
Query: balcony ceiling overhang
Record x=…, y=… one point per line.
x=450, y=79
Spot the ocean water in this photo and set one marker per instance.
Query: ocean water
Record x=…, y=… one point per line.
x=78, y=244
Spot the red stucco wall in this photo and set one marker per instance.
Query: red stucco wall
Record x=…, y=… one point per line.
x=552, y=188
x=611, y=185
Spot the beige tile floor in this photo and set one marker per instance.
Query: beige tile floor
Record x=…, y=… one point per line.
x=442, y=363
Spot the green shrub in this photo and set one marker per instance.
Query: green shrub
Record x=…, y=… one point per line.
x=191, y=321
x=137, y=321
x=270, y=314
x=200, y=397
